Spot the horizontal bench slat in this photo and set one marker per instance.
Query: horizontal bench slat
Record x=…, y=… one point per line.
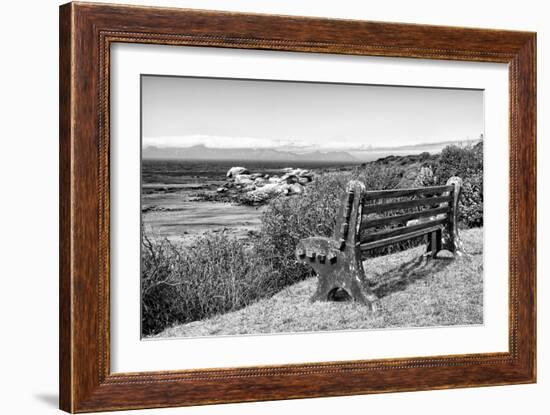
x=386, y=194
x=389, y=241
x=402, y=230
x=387, y=220
x=377, y=208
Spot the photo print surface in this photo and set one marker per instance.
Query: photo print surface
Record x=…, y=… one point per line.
x=286, y=207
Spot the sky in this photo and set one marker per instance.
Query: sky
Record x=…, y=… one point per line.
x=300, y=116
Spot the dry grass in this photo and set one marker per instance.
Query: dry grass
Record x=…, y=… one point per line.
x=413, y=292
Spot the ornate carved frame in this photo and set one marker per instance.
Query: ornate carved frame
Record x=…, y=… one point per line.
x=86, y=33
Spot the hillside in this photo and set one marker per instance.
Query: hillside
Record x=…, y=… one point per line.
x=413, y=292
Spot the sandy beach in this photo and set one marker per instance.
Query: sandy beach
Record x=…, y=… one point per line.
x=179, y=217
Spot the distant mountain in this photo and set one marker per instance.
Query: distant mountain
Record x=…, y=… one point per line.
x=422, y=146
x=201, y=152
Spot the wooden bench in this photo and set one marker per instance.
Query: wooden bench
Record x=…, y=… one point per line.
x=367, y=220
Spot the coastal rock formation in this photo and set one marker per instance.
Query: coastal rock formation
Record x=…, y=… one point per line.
x=234, y=171
x=257, y=188
x=243, y=179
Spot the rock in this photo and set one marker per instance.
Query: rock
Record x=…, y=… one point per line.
x=297, y=172
x=245, y=187
x=296, y=189
x=269, y=190
x=234, y=171
x=418, y=221
x=412, y=222
x=260, y=181
x=289, y=178
x=249, y=187
x=243, y=179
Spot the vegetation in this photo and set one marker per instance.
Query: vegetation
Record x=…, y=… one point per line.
x=413, y=293
x=219, y=274
x=467, y=163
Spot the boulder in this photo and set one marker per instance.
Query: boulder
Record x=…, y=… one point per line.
x=257, y=188
x=249, y=187
x=243, y=179
x=260, y=181
x=234, y=171
x=295, y=189
x=270, y=189
x=297, y=172
x=289, y=178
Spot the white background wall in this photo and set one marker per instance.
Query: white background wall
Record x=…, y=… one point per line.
x=29, y=207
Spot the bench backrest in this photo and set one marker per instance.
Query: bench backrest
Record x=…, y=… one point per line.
x=385, y=217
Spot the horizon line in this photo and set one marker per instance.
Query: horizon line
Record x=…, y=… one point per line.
x=291, y=148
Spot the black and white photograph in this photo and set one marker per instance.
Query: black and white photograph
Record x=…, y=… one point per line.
x=273, y=206
x=296, y=207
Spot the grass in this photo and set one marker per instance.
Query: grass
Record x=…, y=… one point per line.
x=219, y=274
x=413, y=292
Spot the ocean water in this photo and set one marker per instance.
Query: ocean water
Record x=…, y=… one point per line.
x=185, y=172
x=171, y=209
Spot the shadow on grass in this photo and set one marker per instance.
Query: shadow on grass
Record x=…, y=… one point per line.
x=399, y=278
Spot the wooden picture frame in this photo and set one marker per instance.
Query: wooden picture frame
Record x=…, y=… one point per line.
x=86, y=33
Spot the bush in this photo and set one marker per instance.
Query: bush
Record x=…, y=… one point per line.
x=289, y=219
x=459, y=161
x=466, y=163
x=217, y=274
x=470, y=212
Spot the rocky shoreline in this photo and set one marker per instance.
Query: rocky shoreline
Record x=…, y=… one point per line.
x=247, y=188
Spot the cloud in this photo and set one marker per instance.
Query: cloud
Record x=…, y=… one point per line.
x=238, y=142
x=295, y=145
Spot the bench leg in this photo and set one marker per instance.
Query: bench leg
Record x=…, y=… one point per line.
x=336, y=269
x=434, y=243
x=433, y=238
x=348, y=278
x=337, y=262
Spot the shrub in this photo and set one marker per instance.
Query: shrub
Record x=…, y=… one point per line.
x=466, y=163
x=459, y=161
x=471, y=203
x=217, y=274
x=376, y=177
